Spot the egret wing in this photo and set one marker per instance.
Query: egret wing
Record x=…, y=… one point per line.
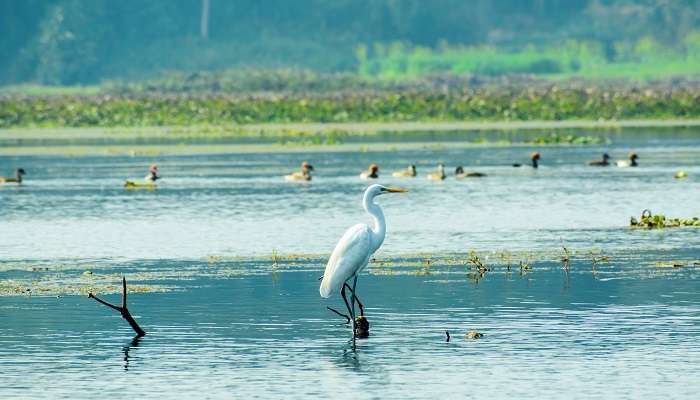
x=349, y=256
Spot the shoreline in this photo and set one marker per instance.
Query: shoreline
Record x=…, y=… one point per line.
x=292, y=137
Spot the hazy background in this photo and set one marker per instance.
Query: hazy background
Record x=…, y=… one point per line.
x=68, y=42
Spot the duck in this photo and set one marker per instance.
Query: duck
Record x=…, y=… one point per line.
x=631, y=163
x=152, y=176
x=371, y=173
x=304, y=175
x=409, y=172
x=19, y=173
x=149, y=180
x=604, y=162
x=439, y=174
x=534, y=158
x=460, y=174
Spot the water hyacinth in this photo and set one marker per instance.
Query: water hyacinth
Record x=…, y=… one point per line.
x=659, y=221
x=541, y=101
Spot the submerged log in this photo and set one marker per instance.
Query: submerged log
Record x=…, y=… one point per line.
x=123, y=310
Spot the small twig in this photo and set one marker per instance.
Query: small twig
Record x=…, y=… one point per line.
x=476, y=261
x=566, y=259
x=448, y=336
x=123, y=310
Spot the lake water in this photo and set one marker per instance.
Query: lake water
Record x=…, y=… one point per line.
x=225, y=257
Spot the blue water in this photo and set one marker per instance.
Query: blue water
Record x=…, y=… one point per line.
x=227, y=255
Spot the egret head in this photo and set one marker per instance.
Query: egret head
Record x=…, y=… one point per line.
x=378, y=190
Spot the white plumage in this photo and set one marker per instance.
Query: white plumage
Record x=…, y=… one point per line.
x=349, y=257
x=353, y=251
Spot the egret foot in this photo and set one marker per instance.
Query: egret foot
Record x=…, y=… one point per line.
x=474, y=335
x=361, y=327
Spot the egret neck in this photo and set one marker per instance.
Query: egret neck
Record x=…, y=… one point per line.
x=379, y=226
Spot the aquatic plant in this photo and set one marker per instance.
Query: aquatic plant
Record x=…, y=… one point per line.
x=557, y=138
x=544, y=102
x=659, y=221
x=566, y=259
x=474, y=335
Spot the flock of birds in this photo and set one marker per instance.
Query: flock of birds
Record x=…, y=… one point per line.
x=439, y=174
x=355, y=248
x=372, y=171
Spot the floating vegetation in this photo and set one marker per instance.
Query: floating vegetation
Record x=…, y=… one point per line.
x=542, y=102
x=566, y=259
x=659, y=221
x=557, y=138
x=475, y=261
x=474, y=335
x=677, y=264
x=680, y=175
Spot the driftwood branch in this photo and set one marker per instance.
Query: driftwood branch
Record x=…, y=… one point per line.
x=123, y=310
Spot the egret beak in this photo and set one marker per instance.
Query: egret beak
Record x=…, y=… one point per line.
x=396, y=190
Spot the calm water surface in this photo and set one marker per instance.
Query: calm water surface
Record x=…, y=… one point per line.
x=231, y=315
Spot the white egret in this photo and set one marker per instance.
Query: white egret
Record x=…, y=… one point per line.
x=353, y=251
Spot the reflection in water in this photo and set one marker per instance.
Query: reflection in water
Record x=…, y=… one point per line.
x=134, y=343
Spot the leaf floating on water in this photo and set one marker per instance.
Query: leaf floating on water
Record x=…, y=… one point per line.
x=659, y=221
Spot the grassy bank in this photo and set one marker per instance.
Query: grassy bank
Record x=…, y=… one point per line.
x=318, y=137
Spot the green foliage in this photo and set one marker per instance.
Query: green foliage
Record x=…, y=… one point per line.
x=659, y=221
x=543, y=102
x=558, y=138
x=84, y=42
x=645, y=59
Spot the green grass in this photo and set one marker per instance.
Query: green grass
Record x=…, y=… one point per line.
x=43, y=90
x=644, y=60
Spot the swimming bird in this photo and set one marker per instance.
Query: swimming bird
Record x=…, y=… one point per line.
x=631, y=163
x=19, y=173
x=371, y=173
x=604, y=162
x=149, y=180
x=461, y=174
x=439, y=174
x=353, y=251
x=152, y=174
x=409, y=172
x=304, y=175
x=534, y=158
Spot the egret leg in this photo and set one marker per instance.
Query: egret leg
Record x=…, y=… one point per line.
x=345, y=299
x=362, y=307
x=339, y=313
x=352, y=302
